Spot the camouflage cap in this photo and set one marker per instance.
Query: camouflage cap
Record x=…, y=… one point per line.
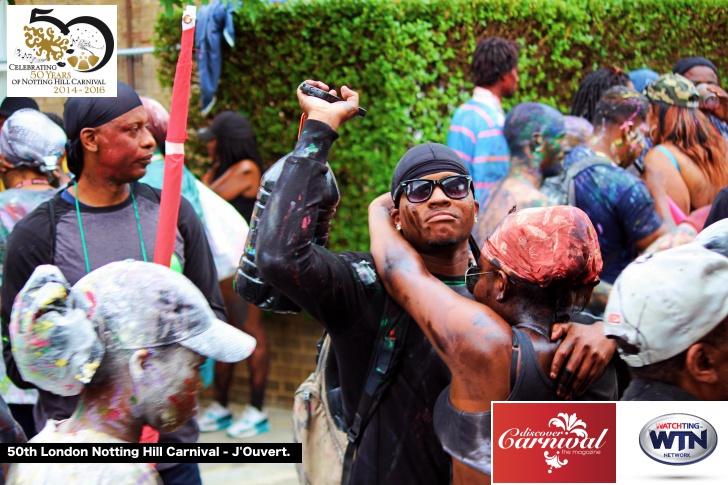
x=673, y=89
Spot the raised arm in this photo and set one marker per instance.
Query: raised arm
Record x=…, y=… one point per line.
x=316, y=279
x=466, y=334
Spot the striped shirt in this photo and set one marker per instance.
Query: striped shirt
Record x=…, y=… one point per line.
x=476, y=135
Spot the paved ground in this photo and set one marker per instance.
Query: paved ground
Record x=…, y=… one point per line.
x=252, y=473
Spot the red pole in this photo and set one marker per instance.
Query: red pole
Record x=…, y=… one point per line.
x=176, y=135
x=174, y=160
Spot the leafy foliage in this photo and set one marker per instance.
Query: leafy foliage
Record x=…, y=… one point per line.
x=410, y=60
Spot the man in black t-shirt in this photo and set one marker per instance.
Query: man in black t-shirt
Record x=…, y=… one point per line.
x=344, y=293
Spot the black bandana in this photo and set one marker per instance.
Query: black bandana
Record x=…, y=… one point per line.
x=80, y=113
x=427, y=159
x=684, y=65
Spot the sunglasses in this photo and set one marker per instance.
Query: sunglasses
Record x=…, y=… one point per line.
x=420, y=190
x=472, y=276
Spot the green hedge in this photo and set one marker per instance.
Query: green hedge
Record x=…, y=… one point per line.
x=410, y=59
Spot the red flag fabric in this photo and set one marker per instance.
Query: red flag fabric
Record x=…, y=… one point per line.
x=174, y=160
x=176, y=136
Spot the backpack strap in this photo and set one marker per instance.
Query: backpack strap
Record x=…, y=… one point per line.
x=387, y=349
x=576, y=168
x=52, y=218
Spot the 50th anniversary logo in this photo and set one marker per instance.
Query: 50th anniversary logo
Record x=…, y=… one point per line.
x=61, y=50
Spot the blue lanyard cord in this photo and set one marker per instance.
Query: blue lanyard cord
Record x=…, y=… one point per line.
x=139, y=226
x=80, y=228
x=83, y=236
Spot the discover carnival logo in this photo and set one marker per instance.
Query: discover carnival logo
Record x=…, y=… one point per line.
x=572, y=442
x=61, y=50
x=573, y=439
x=678, y=439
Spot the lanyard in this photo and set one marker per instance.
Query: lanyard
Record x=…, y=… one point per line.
x=83, y=237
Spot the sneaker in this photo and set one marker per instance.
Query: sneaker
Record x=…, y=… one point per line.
x=215, y=417
x=250, y=423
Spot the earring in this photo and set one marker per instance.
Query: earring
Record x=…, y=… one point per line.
x=476, y=219
x=398, y=226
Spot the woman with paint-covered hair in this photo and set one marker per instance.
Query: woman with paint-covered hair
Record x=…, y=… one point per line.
x=536, y=268
x=129, y=338
x=689, y=152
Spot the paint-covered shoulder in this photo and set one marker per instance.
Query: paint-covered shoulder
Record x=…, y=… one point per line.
x=608, y=178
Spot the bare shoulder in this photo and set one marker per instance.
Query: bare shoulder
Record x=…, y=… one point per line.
x=657, y=160
x=245, y=167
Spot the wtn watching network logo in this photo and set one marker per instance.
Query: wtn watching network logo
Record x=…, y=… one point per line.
x=678, y=439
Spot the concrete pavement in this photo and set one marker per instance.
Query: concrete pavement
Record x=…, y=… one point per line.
x=252, y=473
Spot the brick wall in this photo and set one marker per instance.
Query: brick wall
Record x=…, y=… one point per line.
x=292, y=342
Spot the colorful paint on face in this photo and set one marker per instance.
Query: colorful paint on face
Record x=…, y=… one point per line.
x=629, y=150
x=126, y=147
x=535, y=134
x=554, y=153
x=168, y=398
x=636, y=140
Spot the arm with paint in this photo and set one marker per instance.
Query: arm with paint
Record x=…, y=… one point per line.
x=287, y=258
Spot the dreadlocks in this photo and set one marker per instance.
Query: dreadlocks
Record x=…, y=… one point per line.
x=493, y=58
x=591, y=89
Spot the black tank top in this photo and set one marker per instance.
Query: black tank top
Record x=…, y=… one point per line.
x=466, y=436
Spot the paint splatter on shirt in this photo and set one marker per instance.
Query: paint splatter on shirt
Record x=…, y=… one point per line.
x=476, y=135
x=620, y=208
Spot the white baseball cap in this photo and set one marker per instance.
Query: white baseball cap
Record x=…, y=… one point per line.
x=663, y=303
x=715, y=237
